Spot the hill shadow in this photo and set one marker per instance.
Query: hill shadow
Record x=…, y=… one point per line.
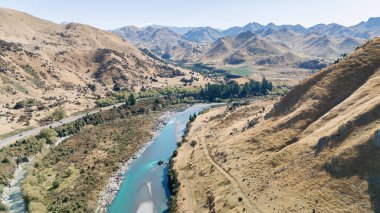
x=364, y=163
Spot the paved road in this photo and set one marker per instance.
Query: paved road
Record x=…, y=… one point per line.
x=35, y=131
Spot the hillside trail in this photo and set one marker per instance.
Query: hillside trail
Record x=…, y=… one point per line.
x=236, y=186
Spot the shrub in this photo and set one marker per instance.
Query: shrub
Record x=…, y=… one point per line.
x=3, y=207
x=132, y=100
x=25, y=159
x=58, y=113
x=193, y=143
x=19, y=105
x=192, y=117
x=50, y=135
x=156, y=104
x=5, y=160
x=37, y=207
x=55, y=184
x=105, y=102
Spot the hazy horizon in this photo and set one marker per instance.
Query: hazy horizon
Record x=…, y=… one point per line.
x=221, y=14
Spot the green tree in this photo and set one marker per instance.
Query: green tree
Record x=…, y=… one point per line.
x=3, y=208
x=131, y=100
x=55, y=184
x=50, y=135
x=192, y=117
x=156, y=104
x=58, y=113
x=5, y=160
x=265, y=87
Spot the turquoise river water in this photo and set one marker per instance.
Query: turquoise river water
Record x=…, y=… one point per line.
x=145, y=188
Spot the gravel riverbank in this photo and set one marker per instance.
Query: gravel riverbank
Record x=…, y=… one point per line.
x=108, y=194
x=12, y=195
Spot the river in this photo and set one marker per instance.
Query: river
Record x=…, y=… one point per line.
x=145, y=188
x=12, y=196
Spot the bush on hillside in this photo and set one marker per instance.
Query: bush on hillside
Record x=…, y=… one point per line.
x=3, y=207
x=50, y=135
x=58, y=113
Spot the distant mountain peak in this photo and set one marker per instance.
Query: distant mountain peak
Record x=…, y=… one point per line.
x=254, y=24
x=321, y=40
x=374, y=19
x=203, y=35
x=244, y=36
x=373, y=22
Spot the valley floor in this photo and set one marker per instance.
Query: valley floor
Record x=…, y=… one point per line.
x=278, y=74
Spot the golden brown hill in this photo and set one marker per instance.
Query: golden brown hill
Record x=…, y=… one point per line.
x=69, y=64
x=317, y=148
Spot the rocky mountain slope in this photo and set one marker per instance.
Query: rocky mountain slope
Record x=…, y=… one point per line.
x=246, y=46
x=319, y=41
x=364, y=29
x=162, y=41
x=277, y=51
x=317, y=149
x=203, y=35
x=44, y=65
x=178, y=30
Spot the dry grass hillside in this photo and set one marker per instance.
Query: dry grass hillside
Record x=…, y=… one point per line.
x=316, y=148
x=44, y=65
x=282, y=56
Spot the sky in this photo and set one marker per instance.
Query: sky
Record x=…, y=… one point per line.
x=222, y=14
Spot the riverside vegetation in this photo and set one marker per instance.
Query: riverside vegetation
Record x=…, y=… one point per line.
x=210, y=92
x=20, y=152
x=70, y=177
x=172, y=174
x=40, y=191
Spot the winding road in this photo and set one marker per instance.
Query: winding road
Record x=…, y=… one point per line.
x=35, y=131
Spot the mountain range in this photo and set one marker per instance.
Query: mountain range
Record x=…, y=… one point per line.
x=206, y=44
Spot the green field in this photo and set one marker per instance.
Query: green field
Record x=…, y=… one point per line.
x=245, y=70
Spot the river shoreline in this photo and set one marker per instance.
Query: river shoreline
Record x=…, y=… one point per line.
x=12, y=196
x=107, y=195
